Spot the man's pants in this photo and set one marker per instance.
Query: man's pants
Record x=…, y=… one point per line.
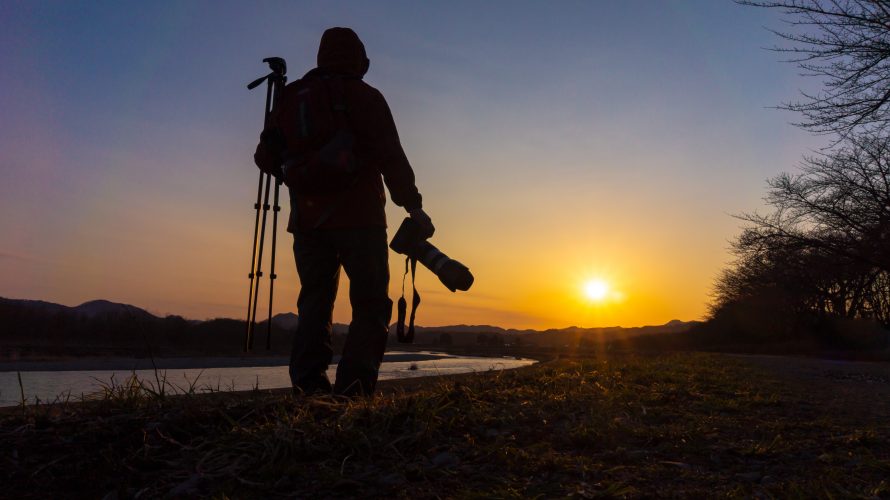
x=319, y=253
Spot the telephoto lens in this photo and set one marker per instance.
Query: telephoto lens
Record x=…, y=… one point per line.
x=409, y=241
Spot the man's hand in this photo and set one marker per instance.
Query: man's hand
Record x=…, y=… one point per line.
x=273, y=139
x=269, y=152
x=424, y=221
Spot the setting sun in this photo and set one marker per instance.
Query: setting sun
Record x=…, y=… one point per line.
x=596, y=290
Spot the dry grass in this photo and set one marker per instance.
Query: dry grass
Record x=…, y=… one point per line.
x=677, y=425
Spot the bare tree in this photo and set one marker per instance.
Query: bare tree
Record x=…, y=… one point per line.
x=824, y=248
x=822, y=253
x=880, y=305
x=846, y=43
x=839, y=203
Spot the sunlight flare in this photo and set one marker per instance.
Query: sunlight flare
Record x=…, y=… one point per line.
x=596, y=290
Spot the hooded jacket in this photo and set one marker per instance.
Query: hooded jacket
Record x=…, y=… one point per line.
x=377, y=146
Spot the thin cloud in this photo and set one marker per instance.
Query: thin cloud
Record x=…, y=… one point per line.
x=497, y=315
x=18, y=257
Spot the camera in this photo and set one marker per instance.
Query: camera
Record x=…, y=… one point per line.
x=410, y=240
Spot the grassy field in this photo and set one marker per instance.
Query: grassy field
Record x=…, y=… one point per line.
x=679, y=425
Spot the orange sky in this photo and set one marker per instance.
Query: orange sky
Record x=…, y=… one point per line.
x=551, y=146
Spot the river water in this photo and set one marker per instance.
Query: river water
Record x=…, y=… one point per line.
x=49, y=386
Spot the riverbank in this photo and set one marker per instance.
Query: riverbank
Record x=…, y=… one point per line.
x=691, y=425
x=131, y=364
x=78, y=385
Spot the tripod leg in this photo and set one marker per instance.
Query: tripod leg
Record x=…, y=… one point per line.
x=273, y=96
x=252, y=275
x=272, y=93
x=274, y=81
x=275, y=209
x=259, y=265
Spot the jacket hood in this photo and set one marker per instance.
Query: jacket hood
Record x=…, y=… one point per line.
x=342, y=51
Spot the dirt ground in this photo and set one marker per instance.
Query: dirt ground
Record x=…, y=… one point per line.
x=858, y=389
x=676, y=425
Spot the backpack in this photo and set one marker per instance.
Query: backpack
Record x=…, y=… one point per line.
x=313, y=119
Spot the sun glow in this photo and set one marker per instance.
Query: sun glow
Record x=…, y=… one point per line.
x=596, y=290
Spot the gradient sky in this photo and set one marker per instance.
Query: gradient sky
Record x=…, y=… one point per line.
x=554, y=142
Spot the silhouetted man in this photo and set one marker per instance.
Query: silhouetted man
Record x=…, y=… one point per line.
x=337, y=141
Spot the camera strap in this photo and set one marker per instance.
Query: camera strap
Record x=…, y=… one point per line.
x=403, y=337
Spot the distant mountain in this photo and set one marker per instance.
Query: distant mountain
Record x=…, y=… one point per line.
x=457, y=329
x=672, y=326
x=95, y=308
x=89, y=309
x=288, y=320
x=38, y=305
x=34, y=328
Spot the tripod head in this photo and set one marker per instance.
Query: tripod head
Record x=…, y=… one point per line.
x=278, y=67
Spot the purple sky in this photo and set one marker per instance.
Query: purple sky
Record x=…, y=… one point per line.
x=554, y=143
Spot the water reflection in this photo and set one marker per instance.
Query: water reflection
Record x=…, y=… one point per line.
x=48, y=386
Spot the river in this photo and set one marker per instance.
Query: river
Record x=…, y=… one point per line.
x=76, y=385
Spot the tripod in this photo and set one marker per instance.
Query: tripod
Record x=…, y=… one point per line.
x=275, y=81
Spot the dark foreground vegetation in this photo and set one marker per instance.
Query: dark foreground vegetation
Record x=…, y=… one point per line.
x=692, y=425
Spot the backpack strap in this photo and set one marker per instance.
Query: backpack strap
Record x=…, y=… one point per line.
x=340, y=111
x=337, y=95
